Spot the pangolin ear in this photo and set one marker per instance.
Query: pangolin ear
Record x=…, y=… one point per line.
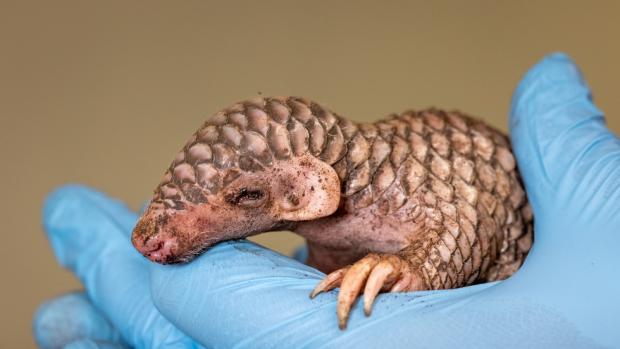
x=306, y=189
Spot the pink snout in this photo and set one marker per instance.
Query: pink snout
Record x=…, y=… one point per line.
x=152, y=238
x=157, y=249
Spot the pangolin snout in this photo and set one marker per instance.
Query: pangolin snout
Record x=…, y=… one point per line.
x=154, y=242
x=157, y=249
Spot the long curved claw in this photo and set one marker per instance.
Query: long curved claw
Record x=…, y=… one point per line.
x=351, y=286
x=406, y=276
x=372, y=274
x=331, y=281
x=382, y=274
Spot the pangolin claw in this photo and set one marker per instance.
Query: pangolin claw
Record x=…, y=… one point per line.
x=380, y=277
x=351, y=286
x=330, y=282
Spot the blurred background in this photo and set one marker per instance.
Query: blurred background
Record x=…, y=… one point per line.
x=105, y=93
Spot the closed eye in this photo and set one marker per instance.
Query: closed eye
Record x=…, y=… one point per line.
x=245, y=196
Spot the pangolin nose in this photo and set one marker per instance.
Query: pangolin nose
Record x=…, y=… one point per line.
x=151, y=244
x=155, y=248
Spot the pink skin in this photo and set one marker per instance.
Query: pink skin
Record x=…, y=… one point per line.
x=157, y=249
x=171, y=236
x=290, y=191
x=342, y=239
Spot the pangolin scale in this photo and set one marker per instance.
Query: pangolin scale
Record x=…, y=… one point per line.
x=420, y=200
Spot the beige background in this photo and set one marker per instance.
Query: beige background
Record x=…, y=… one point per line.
x=104, y=93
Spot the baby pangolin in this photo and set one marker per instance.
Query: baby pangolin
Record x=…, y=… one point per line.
x=423, y=200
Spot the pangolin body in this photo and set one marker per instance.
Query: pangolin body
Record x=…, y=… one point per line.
x=420, y=200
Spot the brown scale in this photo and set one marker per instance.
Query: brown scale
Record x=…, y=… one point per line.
x=439, y=190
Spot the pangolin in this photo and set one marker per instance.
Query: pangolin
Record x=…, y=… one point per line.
x=422, y=200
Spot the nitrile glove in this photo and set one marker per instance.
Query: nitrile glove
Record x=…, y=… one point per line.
x=239, y=294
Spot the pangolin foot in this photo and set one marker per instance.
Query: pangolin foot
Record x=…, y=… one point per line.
x=378, y=272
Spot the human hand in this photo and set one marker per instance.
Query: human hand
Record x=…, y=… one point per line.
x=240, y=294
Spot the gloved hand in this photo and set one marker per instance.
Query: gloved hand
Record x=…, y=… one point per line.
x=240, y=294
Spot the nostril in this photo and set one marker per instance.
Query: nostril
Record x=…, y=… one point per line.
x=152, y=245
x=148, y=245
x=158, y=249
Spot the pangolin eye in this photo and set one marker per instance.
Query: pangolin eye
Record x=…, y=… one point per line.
x=246, y=197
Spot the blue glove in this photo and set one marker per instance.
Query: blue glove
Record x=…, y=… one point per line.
x=240, y=294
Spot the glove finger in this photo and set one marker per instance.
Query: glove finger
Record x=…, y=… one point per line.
x=558, y=134
x=234, y=291
x=88, y=239
x=241, y=295
x=120, y=215
x=71, y=317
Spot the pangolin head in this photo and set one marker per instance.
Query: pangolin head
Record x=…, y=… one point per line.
x=252, y=167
